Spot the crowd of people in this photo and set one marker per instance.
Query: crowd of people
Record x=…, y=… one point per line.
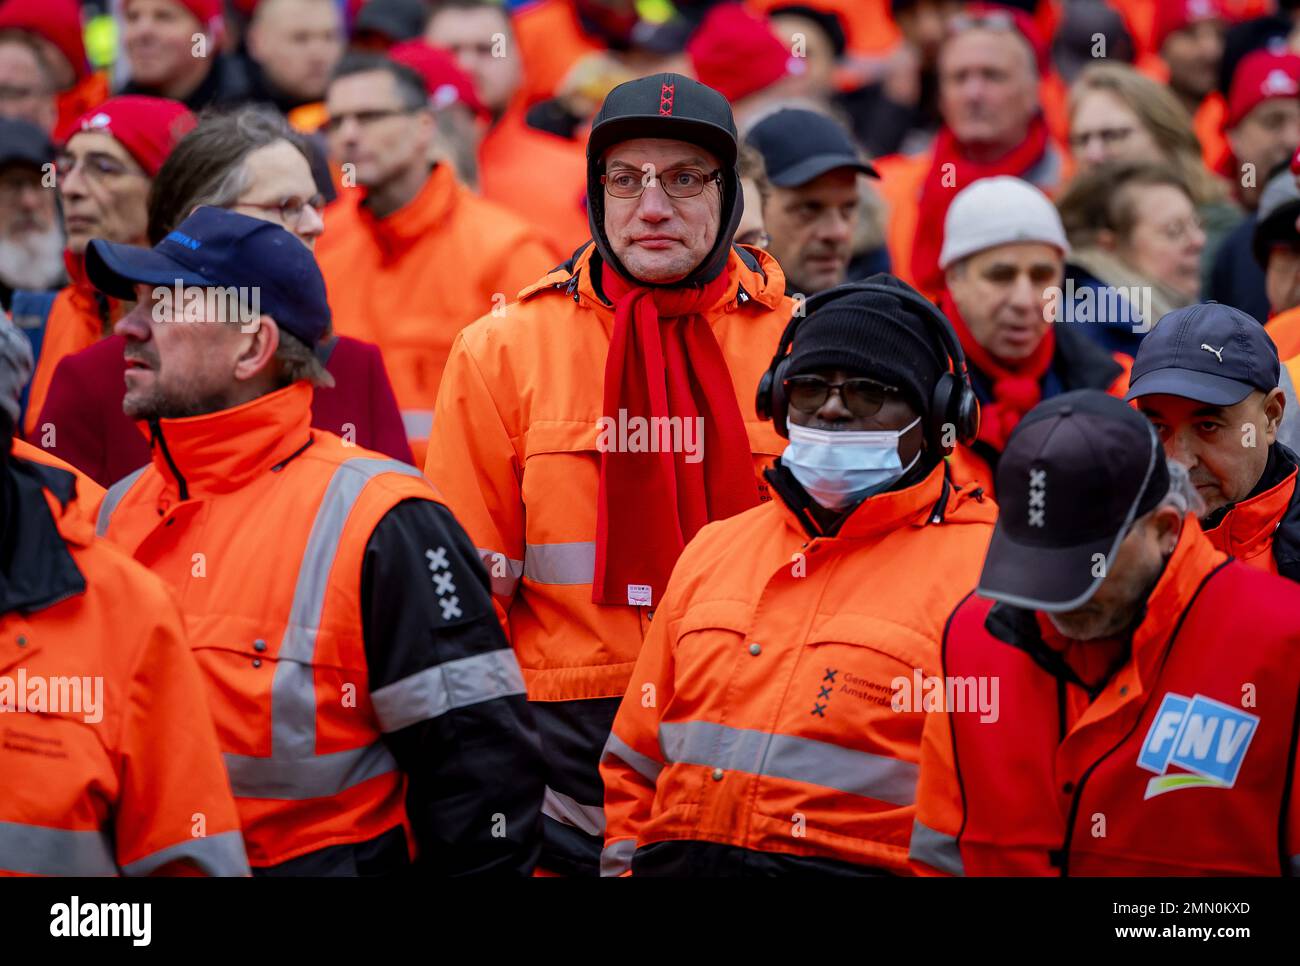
x=596, y=437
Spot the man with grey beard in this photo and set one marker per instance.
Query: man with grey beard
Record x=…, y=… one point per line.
x=31, y=240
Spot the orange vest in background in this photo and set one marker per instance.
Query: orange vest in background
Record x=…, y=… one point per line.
x=551, y=41
x=74, y=324
x=409, y=282
x=277, y=634
x=538, y=176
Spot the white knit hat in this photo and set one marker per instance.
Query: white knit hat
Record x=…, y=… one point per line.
x=999, y=211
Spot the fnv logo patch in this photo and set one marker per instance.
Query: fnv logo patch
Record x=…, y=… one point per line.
x=1206, y=738
x=1037, y=497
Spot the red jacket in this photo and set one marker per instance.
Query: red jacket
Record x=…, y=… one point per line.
x=1183, y=763
x=82, y=421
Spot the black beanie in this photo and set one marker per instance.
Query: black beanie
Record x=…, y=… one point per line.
x=681, y=109
x=875, y=335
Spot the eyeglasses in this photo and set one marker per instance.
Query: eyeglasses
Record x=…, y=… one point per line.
x=12, y=92
x=755, y=237
x=14, y=184
x=363, y=118
x=861, y=397
x=676, y=182
x=1181, y=230
x=96, y=166
x=291, y=210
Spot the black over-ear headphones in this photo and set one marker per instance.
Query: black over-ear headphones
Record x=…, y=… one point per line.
x=953, y=403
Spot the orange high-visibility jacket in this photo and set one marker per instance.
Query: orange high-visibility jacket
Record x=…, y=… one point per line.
x=121, y=774
x=1183, y=764
x=536, y=175
x=263, y=547
x=761, y=712
x=513, y=452
x=88, y=493
x=411, y=281
x=76, y=322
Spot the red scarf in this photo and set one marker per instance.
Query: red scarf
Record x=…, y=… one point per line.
x=1016, y=389
x=664, y=362
x=943, y=182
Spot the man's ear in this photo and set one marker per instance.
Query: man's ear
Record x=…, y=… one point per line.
x=1274, y=410
x=257, y=346
x=1168, y=525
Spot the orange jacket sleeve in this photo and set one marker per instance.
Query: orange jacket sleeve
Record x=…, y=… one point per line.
x=175, y=814
x=472, y=462
x=632, y=759
x=934, y=849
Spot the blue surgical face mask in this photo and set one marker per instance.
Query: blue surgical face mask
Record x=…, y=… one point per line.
x=839, y=468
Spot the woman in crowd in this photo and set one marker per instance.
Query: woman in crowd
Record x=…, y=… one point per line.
x=1136, y=242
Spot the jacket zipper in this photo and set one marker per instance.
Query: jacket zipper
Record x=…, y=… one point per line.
x=156, y=436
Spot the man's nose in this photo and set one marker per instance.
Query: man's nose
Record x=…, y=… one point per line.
x=134, y=326
x=833, y=409
x=835, y=226
x=1094, y=151
x=654, y=204
x=311, y=224
x=1179, y=448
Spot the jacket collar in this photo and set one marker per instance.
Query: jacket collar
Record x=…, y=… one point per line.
x=1239, y=529
x=754, y=276
x=36, y=567
x=1193, y=561
x=223, y=451
x=916, y=505
x=423, y=214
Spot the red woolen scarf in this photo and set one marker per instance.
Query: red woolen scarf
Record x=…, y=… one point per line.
x=1016, y=390
x=943, y=183
x=665, y=362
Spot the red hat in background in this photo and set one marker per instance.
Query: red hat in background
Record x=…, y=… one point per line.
x=737, y=54
x=1174, y=15
x=205, y=11
x=58, y=21
x=1023, y=25
x=148, y=127
x=1261, y=76
x=443, y=77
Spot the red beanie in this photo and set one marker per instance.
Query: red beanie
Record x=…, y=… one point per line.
x=1022, y=23
x=204, y=11
x=737, y=54
x=1172, y=15
x=443, y=77
x=58, y=21
x=1261, y=76
x=148, y=127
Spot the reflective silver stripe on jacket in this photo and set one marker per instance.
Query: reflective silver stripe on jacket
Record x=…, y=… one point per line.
x=936, y=849
x=643, y=765
x=616, y=858
x=569, y=811
x=294, y=770
x=785, y=756
x=112, y=497
x=560, y=563
x=221, y=854
x=417, y=423
x=444, y=687
x=504, y=571
x=39, y=850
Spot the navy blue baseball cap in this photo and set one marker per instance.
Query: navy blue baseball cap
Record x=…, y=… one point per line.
x=798, y=145
x=1211, y=353
x=216, y=248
